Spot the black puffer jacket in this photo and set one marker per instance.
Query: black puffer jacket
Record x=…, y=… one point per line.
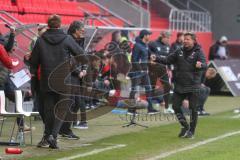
x=187, y=76
x=53, y=48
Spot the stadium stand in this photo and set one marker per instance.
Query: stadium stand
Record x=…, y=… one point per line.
x=37, y=11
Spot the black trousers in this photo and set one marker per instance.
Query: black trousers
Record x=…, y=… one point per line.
x=203, y=95
x=79, y=103
x=56, y=108
x=193, y=103
x=159, y=72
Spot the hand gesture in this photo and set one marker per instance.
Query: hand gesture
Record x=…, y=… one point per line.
x=198, y=64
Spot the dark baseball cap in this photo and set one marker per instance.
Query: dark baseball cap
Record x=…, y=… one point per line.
x=144, y=32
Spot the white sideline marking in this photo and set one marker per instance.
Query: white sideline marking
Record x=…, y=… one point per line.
x=236, y=116
x=95, y=151
x=164, y=155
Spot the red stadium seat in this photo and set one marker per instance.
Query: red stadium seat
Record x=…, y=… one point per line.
x=8, y=6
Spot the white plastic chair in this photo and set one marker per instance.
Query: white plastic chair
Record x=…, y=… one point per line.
x=19, y=108
x=4, y=114
x=19, y=105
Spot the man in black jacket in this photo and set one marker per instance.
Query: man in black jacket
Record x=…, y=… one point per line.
x=190, y=63
x=52, y=49
x=76, y=30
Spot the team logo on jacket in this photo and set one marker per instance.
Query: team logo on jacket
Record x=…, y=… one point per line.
x=192, y=55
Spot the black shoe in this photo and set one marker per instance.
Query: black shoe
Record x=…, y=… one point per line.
x=183, y=132
x=43, y=143
x=152, y=111
x=189, y=135
x=70, y=136
x=52, y=142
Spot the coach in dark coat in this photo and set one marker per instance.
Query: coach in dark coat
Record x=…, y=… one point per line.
x=190, y=63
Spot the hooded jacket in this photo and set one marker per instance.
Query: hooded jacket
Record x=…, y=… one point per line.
x=53, y=48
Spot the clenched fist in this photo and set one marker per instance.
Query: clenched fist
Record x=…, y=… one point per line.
x=199, y=64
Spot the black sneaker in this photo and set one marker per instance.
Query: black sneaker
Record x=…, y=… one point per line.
x=81, y=125
x=153, y=111
x=43, y=143
x=52, y=142
x=70, y=136
x=189, y=135
x=183, y=132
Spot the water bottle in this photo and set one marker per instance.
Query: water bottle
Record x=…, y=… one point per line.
x=13, y=151
x=20, y=138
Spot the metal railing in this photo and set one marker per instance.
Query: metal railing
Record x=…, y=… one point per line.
x=140, y=3
x=89, y=16
x=185, y=20
x=188, y=5
x=126, y=12
x=25, y=31
x=143, y=10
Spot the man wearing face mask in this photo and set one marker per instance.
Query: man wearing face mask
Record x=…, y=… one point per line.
x=190, y=63
x=161, y=47
x=76, y=30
